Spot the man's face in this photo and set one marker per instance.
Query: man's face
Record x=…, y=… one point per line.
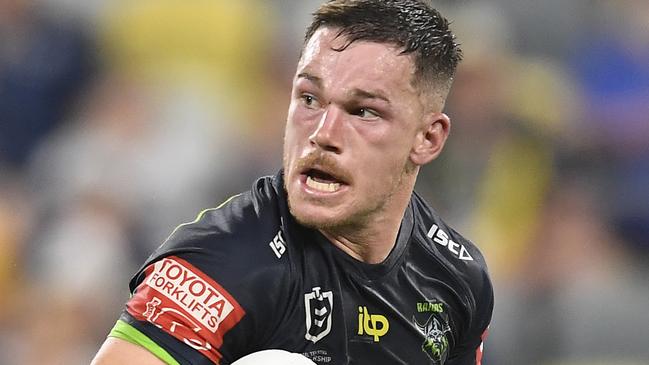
x=353, y=120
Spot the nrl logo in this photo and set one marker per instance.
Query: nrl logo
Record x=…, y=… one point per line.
x=319, y=306
x=436, y=344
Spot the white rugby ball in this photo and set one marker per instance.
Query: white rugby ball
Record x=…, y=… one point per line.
x=273, y=357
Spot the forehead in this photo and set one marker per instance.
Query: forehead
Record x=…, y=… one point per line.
x=361, y=64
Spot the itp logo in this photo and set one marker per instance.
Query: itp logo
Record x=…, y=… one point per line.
x=374, y=325
x=319, y=306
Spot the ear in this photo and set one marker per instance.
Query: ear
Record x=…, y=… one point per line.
x=430, y=140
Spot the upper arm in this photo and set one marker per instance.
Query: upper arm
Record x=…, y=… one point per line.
x=178, y=306
x=200, y=298
x=116, y=351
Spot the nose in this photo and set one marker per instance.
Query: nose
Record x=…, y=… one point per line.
x=328, y=135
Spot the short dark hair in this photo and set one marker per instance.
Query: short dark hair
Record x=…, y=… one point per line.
x=411, y=25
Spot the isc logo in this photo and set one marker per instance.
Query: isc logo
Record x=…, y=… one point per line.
x=441, y=238
x=374, y=325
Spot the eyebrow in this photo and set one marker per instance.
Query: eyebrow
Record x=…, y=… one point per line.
x=314, y=79
x=364, y=94
x=356, y=92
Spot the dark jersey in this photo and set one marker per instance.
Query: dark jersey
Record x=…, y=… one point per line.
x=246, y=276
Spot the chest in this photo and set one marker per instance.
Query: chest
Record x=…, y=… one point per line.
x=405, y=316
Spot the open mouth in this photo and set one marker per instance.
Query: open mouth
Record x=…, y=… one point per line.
x=322, y=181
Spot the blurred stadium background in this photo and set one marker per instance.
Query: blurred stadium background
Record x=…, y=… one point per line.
x=121, y=119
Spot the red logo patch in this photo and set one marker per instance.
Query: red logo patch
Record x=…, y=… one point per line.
x=187, y=304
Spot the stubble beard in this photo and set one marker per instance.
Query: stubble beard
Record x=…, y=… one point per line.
x=358, y=218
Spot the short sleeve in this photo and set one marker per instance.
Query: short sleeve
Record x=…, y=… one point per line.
x=203, y=296
x=180, y=300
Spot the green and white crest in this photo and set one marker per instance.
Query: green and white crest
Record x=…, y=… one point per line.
x=436, y=342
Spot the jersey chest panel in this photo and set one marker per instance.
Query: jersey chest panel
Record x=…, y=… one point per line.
x=403, y=317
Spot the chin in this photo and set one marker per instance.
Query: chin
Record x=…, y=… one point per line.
x=315, y=216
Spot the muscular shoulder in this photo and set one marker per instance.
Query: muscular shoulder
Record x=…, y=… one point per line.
x=459, y=264
x=219, y=273
x=233, y=245
x=235, y=232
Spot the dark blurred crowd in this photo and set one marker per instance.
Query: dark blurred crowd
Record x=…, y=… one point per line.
x=122, y=119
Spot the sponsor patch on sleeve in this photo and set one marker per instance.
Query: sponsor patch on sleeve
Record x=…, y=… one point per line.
x=187, y=304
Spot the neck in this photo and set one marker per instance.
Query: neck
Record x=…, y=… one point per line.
x=372, y=241
x=366, y=247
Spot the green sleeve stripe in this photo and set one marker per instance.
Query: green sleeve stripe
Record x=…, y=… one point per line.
x=129, y=333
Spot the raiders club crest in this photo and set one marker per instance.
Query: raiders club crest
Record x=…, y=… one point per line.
x=319, y=306
x=436, y=342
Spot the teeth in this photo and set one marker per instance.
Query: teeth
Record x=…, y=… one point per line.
x=326, y=187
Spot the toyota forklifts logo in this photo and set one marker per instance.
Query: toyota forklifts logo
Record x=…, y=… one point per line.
x=319, y=306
